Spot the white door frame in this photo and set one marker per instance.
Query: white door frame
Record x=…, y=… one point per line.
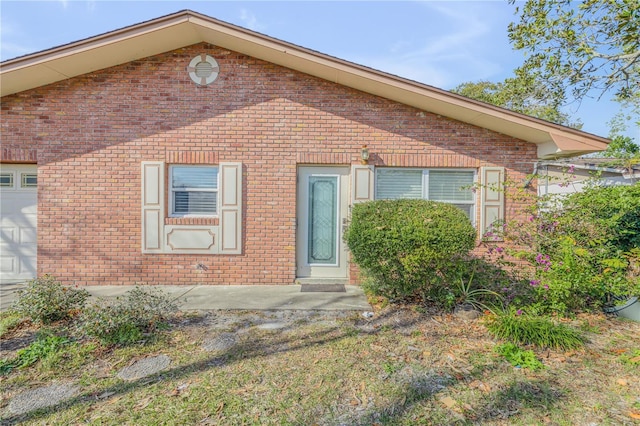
x=306, y=269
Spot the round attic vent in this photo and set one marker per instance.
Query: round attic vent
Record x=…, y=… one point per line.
x=203, y=69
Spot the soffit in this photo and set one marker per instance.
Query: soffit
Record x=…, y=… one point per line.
x=188, y=28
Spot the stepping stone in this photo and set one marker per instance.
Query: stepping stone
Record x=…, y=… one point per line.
x=145, y=367
x=221, y=342
x=43, y=397
x=273, y=325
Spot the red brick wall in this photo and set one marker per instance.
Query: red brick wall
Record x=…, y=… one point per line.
x=91, y=133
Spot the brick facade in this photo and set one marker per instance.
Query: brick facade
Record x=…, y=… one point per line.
x=89, y=135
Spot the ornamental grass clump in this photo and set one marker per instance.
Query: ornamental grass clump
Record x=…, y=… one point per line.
x=519, y=328
x=45, y=300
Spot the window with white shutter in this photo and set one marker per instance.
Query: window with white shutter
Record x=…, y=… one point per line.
x=194, y=191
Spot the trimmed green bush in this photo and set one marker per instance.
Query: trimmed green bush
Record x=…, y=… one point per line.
x=402, y=245
x=46, y=300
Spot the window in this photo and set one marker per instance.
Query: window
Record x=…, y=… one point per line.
x=194, y=190
x=6, y=180
x=29, y=180
x=449, y=186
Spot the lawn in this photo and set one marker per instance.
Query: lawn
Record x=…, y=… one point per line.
x=401, y=367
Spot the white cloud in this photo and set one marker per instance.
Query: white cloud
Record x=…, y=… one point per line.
x=8, y=48
x=458, y=42
x=250, y=21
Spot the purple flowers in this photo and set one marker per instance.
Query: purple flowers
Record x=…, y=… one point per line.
x=543, y=260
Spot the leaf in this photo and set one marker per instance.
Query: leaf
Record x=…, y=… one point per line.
x=143, y=403
x=448, y=402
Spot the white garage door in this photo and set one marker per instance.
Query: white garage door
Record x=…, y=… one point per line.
x=18, y=222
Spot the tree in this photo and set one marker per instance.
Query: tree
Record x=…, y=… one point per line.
x=520, y=94
x=623, y=148
x=588, y=46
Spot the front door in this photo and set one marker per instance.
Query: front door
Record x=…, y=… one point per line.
x=322, y=208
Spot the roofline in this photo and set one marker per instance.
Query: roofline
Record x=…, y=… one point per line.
x=187, y=27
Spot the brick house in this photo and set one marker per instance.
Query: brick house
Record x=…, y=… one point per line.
x=185, y=150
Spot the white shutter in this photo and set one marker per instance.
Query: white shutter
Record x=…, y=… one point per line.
x=491, y=197
x=361, y=183
x=152, y=206
x=230, y=208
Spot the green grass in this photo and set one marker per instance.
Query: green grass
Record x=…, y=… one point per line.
x=329, y=374
x=9, y=320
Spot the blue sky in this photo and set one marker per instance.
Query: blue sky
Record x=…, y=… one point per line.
x=438, y=43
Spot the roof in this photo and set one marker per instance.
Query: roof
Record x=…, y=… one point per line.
x=610, y=165
x=186, y=28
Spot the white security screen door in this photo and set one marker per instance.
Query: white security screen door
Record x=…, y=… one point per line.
x=322, y=207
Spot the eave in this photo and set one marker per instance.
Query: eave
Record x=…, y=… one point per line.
x=187, y=28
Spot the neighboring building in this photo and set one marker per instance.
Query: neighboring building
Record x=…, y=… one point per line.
x=568, y=176
x=185, y=150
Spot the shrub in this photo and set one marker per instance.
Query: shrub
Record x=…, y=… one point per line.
x=46, y=300
x=583, y=247
x=126, y=320
x=402, y=245
x=524, y=329
x=581, y=255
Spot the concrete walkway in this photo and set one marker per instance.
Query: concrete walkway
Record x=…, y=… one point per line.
x=249, y=297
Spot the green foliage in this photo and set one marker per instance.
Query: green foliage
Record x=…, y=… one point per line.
x=127, y=320
x=46, y=300
x=588, y=241
x=583, y=46
x=622, y=147
x=607, y=216
x=524, y=329
x=583, y=248
x=519, y=357
x=469, y=291
x=632, y=358
x=402, y=245
x=570, y=283
x=45, y=345
x=522, y=94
